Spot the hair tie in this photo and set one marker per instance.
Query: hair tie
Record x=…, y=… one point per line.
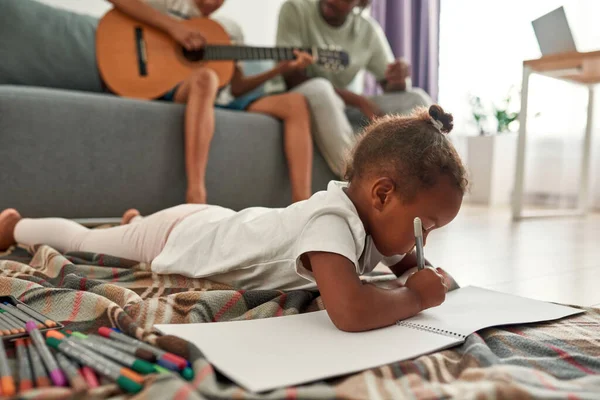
x=437, y=123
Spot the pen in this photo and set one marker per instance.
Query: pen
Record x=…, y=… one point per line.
x=419, y=244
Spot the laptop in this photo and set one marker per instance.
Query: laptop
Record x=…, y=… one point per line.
x=553, y=33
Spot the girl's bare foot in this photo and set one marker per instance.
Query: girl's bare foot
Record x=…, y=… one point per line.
x=129, y=215
x=196, y=195
x=8, y=221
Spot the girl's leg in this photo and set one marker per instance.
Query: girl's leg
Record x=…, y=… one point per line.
x=131, y=215
x=141, y=241
x=292, y=109
x=198, y=92
x=8, y=220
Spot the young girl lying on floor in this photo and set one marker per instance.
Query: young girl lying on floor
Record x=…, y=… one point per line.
x=402, y=168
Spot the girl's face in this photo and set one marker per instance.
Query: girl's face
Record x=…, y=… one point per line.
x=208, y=7
x=392, y=221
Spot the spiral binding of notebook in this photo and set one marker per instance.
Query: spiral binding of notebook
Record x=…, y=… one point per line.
x=431, y=329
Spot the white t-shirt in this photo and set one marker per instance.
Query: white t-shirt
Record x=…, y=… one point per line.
x=184, y=9
x=260, y=248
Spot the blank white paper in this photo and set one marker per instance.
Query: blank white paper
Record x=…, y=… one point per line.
x=270, y=353
x=470, y=309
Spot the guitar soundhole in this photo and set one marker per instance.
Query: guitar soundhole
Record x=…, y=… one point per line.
x=193, y=55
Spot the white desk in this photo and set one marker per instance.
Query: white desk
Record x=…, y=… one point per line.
x=577, y=68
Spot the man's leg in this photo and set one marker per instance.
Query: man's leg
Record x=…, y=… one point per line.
x=332, y=132
x=198, y=92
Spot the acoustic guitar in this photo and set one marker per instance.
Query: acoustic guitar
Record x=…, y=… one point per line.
x=137, y=60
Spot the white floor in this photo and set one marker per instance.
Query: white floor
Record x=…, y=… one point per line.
x=548, y=259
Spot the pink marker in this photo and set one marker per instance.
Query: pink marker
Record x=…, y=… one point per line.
x=56, y=374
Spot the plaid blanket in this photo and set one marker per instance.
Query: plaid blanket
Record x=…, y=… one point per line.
x=557, y=360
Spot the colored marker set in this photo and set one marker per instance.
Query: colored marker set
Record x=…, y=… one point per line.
x=67, y=358
x=15, y=314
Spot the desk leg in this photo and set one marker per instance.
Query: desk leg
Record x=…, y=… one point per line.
x=517, y=200
x=586, y=154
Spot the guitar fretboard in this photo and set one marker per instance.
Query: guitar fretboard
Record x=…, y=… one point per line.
x=215, y=52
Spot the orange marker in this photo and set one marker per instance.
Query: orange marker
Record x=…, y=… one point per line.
x=6, y=380
x=18, y=315
x=25, y=375
x=4, y=329
x=37, y=316
x=7, y=321
x=39, y=372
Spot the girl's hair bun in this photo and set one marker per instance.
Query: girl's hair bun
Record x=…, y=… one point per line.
x=442, y=120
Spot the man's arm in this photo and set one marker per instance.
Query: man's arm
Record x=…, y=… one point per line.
x=393, y=87
x=188, y=37
x=382, y=63
x=144, y=13
x=289, y=34
x=241, y=84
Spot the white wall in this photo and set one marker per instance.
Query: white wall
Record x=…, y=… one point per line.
x=258, y=18
x=482, y=46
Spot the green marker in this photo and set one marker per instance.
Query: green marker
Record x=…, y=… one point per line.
x=103, y=366
x=161, y=370
x=141, y=366
x=187, y=374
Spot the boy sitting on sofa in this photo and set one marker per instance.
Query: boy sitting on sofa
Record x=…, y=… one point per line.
x=200, y=91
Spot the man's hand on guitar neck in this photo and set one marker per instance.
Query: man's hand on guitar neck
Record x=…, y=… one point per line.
x=188, y=37
x=301, y=61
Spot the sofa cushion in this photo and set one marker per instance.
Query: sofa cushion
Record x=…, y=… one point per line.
x=41, y=45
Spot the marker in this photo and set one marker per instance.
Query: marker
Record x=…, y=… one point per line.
x=39, y=372
x=162, y=355
x=111, y=353
x=31, y=312
x=134, y=376
x=75, y=379
x=56, y=375
x=25, y=377
x=161, y=370
x=14, y=311
x=90, y=376
x=103, y=366
x=5, y=329
x=419, y=244
x=9, y=320
x=6, y=380
x=187, y=374
x=124, y=347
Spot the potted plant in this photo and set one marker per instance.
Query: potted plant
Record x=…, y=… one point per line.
x=491, y=155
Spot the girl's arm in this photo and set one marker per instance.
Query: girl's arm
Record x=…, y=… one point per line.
x=355, y=306
x=241, y=84
x=142, y=12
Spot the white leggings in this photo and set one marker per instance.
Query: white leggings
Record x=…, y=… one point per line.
x=142, y=240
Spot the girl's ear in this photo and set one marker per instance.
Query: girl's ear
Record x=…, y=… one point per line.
x=382, y=191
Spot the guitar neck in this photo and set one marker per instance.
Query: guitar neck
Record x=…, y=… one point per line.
x=215, y=52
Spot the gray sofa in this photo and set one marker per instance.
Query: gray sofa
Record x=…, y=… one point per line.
x=67, y=151
x=79, y=155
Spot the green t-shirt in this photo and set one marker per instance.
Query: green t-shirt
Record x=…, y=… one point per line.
x=301, y=24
